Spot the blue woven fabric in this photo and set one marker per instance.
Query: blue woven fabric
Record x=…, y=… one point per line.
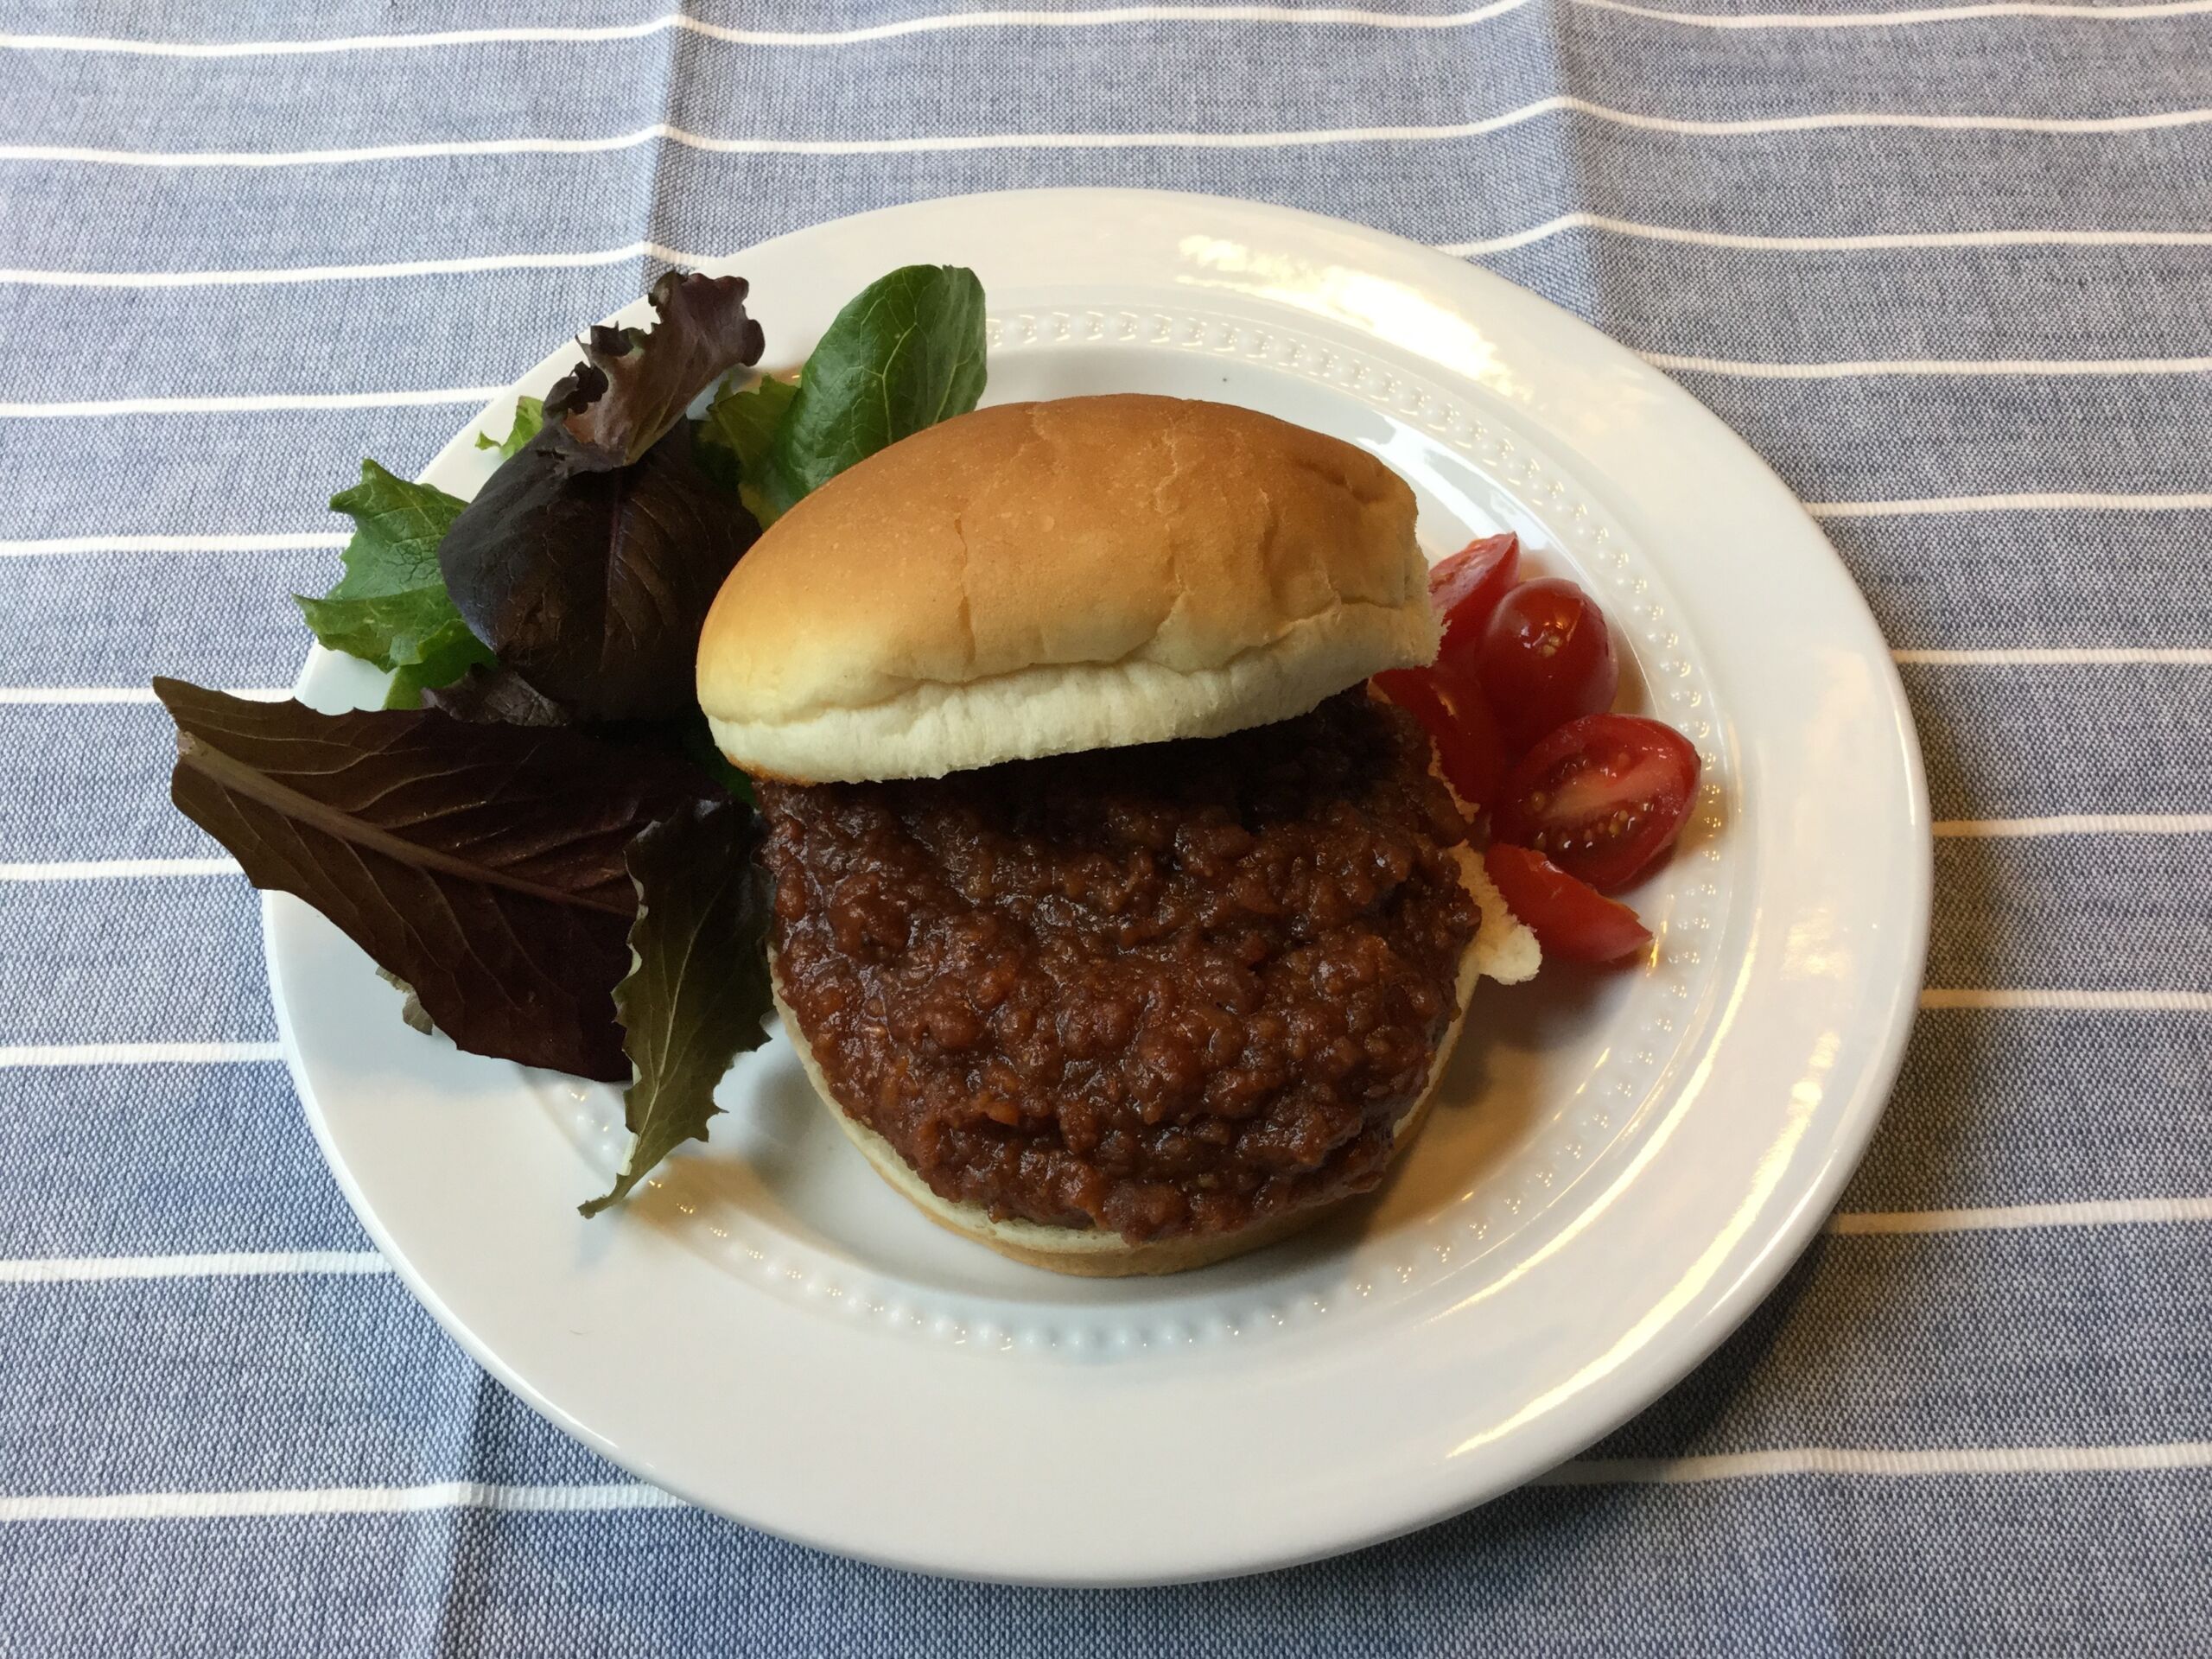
x=1978, y=1416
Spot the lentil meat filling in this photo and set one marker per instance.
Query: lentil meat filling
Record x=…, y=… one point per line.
x=1166, y=991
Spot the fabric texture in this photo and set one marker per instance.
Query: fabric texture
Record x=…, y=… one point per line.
x=1947, y=267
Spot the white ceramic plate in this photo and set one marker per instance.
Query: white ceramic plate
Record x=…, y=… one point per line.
x=1619, y=1168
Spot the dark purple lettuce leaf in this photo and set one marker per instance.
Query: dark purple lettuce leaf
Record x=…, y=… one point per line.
x=592, y=585
x=699, y=991
x=480, y=864
x=588, y=561
x=500, y=693
x=635, y=383
x=497, y=693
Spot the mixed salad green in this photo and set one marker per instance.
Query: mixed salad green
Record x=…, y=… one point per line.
x=535, y=836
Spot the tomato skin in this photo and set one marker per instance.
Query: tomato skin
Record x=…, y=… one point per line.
x=1451, y=708
x=1464, y=589
x=1571, y=920
x=1546, y=658
x=1603, y=797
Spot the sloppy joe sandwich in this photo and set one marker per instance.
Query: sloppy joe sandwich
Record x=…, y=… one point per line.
x=1116, y=921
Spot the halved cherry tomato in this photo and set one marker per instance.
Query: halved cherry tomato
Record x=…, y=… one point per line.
x=1570, y=919
x=1464, y=589
x=1603, y=797
x=1546, y=657
x=1450, y=706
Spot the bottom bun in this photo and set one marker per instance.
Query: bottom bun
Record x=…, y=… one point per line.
x=1099, y=1253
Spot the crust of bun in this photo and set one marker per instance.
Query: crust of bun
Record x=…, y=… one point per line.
x=1036, y=579
x=1502, y=948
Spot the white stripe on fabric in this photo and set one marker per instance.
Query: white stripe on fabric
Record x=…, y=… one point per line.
x=468, y=265
x=89, y=1269
x=332, y=1500
x=2055, y=655
x=2092, y=823
x=465, y=266
x=1870, y=242
x=263, y=543
x=73, y=694
x=251, y=403
x=18, y=1055
x=1880, y=1462
x=1755, y=20
x=118, y=869
x=2056, y=502
x=937, y=144
x=1099, y=17
x=1096, y=18
x=1875, y=367
x=2107, y=1212
x=2069, y=1001
x=1870, y=1462
x=475, y=263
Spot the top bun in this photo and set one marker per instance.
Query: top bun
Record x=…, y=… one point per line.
x=1036, y=579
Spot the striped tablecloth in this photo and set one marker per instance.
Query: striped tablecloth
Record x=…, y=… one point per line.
x=1947, y=266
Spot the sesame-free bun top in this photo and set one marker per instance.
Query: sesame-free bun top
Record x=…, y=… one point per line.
x=1037, y=579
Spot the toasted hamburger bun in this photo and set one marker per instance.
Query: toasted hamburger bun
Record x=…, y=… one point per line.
x=1039, y=579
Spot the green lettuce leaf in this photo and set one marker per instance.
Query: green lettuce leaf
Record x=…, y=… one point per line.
x=530, y=416
x=697, y=991
x=904, y=354
x=390, y=607
x=739, y=428
x=452, y=656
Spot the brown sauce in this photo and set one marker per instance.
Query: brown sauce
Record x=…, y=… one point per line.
x=1164, y=990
